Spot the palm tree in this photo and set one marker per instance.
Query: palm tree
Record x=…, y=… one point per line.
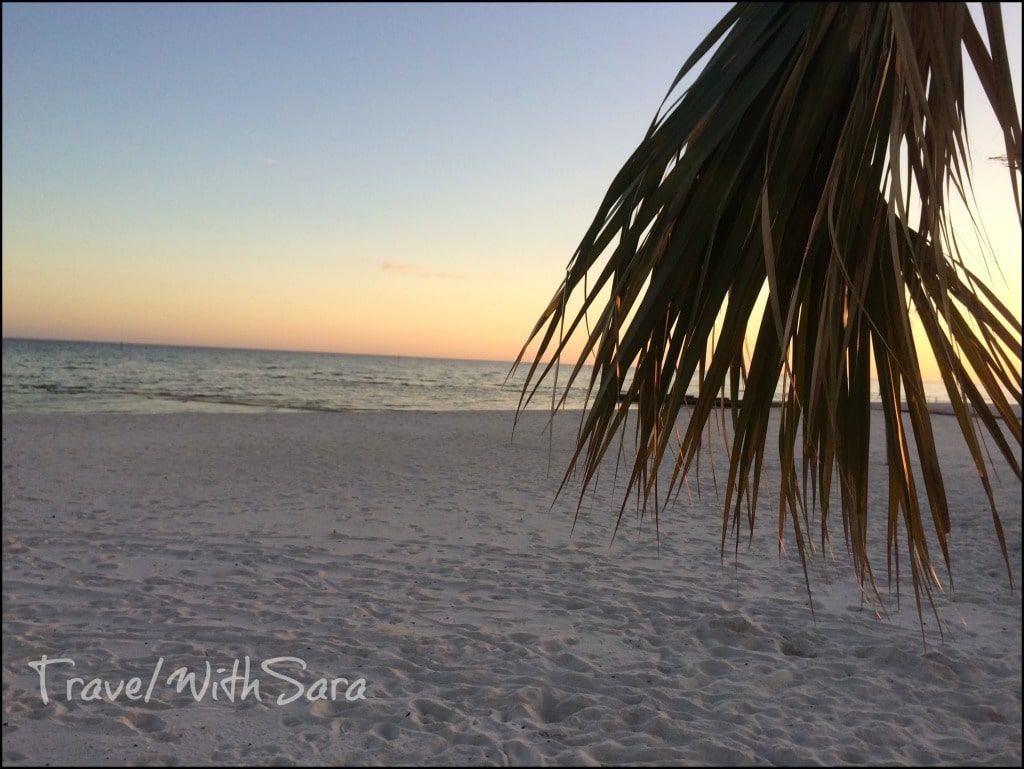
x=793, y=202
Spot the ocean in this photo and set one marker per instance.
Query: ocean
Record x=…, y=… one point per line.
x=51, y=376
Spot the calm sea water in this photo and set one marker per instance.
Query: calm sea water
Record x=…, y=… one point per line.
x=47, y=376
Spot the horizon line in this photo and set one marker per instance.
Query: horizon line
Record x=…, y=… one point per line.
x=248, y=349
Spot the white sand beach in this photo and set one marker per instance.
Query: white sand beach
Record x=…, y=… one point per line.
x=417, y=556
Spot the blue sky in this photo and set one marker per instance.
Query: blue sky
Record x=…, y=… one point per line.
x=407, y=179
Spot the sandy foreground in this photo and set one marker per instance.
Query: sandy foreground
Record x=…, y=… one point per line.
x=418, y=557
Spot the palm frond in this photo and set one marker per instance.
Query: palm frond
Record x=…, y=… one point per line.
x=796, y=195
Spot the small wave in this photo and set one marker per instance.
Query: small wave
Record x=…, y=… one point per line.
x=59, y=389
x=255, y=403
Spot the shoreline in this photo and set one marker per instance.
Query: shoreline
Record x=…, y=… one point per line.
x=422, y=553
x=206, y=406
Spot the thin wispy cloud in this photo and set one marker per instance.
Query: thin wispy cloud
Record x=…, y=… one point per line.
x=389, y=265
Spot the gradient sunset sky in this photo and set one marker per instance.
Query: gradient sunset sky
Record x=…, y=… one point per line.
x=394, y=179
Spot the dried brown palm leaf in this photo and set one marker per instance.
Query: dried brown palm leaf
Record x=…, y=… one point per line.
x=811, y=160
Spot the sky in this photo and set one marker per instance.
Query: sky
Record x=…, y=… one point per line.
x=405, y=179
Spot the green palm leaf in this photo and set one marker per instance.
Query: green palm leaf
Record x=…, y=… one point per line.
x=796, y=195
